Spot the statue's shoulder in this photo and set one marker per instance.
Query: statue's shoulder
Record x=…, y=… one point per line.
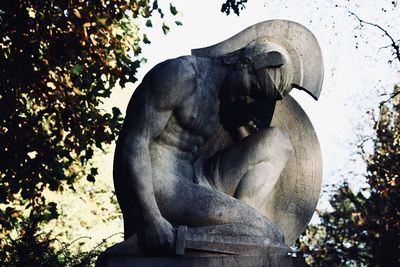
x=173, y=79
x=176, y=69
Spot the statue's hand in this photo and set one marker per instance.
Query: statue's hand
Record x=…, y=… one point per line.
x=157, y=237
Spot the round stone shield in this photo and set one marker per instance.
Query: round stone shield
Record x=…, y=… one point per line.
x=294, y=198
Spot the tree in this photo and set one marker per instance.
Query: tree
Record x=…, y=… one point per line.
x=58, y=61
x=363, y=227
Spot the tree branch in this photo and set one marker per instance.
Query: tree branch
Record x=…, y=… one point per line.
x=393, y=44
x=393, y=95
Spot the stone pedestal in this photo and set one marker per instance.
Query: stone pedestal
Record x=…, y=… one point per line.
x=272, y=257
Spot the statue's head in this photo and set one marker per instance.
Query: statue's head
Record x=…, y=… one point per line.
x=272, y=66
x=283, y=53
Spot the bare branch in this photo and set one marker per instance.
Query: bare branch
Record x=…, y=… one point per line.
x=361, y=147
x=393, y=43
x=393, y=95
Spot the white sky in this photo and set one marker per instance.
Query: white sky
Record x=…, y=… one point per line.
x=353, y=77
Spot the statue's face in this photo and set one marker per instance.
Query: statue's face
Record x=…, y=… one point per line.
x=270, y=69
x=247, y=81
x=265, y=85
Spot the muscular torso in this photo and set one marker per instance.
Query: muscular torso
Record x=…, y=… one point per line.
x=184, y=115
x=187, y=132
x=190, y=125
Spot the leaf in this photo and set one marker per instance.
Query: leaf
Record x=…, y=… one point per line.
x=155, y=4
x=77, y=13
x=145, y=39
x=78, y=92
x=160, y=12
x=51, y=85
x=116, y=112
x=178, y=23
x=94, y=171
x=172, y=9
x=149, y=23
x=91, y=178
x=165, y=28
x=77, y=69
x=102, y=20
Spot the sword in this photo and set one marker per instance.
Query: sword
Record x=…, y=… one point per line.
x=209, y=240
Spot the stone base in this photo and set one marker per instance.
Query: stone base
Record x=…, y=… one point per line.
x=210, y=261
x=213, y=246
x=272, y=258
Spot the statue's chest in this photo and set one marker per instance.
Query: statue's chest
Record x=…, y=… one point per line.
x=199, y=113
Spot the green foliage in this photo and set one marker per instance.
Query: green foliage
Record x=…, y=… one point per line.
x=58, y=61
x=233, y=5
x=34, y=248
x=364, y=227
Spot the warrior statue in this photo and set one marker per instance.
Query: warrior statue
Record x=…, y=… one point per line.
x=214, y=140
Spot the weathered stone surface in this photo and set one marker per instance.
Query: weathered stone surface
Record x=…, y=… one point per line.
x=208, y=143
x=274, y=257
x=229, y=239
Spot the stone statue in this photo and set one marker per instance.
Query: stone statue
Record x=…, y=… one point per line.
x=206, y=142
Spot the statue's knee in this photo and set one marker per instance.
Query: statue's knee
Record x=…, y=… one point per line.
x=270, y=229
x=276, y=142
x=283, y=139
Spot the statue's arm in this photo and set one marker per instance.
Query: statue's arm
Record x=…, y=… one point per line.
x=143, y=123
x=160, y=93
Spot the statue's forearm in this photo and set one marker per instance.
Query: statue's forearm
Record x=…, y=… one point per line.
x=138, y=162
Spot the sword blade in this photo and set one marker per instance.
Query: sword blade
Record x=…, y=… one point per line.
x=201, y=239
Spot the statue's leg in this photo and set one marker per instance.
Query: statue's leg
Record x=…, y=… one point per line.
x=182, y=202
x=249, y=169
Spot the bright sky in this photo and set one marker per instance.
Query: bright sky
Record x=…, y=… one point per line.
x=354, y=77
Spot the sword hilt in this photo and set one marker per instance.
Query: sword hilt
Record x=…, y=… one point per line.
x=180, y=240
